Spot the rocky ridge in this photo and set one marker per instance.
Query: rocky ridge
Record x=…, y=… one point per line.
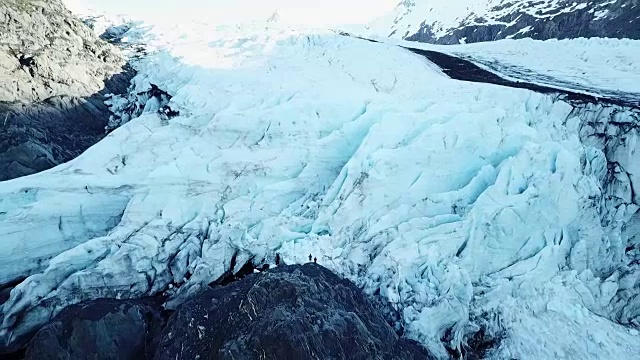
x=506, y=19
x=290, y=312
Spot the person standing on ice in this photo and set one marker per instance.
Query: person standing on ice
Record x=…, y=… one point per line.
x=310, y=257
x=277, y=259
x=315, y=260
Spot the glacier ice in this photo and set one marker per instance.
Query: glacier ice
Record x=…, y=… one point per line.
x=462, y=205
x=576, y=64
x=571, y=64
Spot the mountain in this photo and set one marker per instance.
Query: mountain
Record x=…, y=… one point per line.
x=55, y=74
x=465, y=21
x=274, y=18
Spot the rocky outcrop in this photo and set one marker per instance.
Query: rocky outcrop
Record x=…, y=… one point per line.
x=55, y=73
x=290, y=312
x=38, y=136
x=293, y=312
x=45, y=51
x=134, y=104
x=101, y=329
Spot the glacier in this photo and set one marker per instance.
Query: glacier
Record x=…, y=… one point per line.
x=464, y=206
x=574, y=65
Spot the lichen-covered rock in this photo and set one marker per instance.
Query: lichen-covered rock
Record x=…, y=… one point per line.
x=291, y=312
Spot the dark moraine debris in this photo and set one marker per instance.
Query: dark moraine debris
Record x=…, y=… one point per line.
x=135, y=104
x=465, y=70
x=290, y=312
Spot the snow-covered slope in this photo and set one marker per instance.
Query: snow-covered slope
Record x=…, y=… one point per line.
x=461, y=21
x=463, y=205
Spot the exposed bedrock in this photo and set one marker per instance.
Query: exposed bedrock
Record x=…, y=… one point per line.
x=290, y=312
x=55, y=75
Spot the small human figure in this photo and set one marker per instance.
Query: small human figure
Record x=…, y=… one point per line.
x=315, y=260
x=310, y=257
x=277, y=259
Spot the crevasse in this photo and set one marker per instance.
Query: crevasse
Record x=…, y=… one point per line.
x=463, y=206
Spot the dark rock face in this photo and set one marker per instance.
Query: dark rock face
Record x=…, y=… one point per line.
x=527, y=19
x=291, y=312
x=38, y=136
x=135, y=104
x=99, y=330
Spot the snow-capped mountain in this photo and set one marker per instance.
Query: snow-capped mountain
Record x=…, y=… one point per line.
x=274, y=18
x=467, y=21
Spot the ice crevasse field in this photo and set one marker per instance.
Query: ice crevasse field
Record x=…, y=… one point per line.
x=461, y=205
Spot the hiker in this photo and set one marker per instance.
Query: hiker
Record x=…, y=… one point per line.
x=277, y=259
x=315, y=260
x=310, y=257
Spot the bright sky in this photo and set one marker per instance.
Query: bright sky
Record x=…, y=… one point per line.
x=312, y=12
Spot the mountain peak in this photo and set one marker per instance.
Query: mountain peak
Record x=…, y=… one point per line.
x=274, y=18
